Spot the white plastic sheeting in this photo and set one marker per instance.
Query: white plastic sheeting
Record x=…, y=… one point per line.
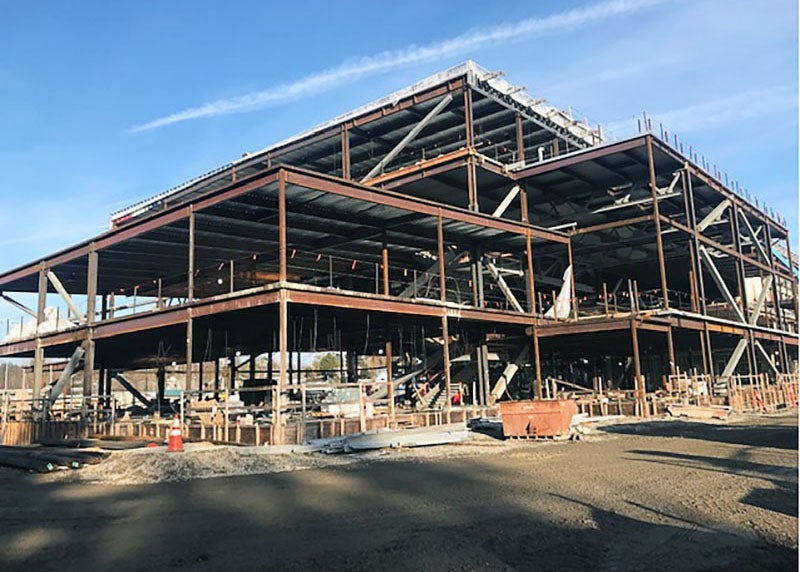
x=560, y=310
x=53, y=321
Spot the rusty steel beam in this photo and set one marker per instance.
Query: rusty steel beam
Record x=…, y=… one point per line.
x=314, y=181
x=614, y=224
x=421, y=170
x=579, y=157
x=582, y=327
x=409, y=136
x=454, y=87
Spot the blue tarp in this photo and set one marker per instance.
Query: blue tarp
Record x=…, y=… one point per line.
x=784, y=260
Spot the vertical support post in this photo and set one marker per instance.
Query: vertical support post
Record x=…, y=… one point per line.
x=472, y=185
x=572, y=282
x=42, y=300
x=446, y=364
x=345, y=134
x=282, y=225
x=537, y=361
x=523, y=204
x=479, y=271
x=657, y=218
x=639, y=387
x=88, y=371
x=473, y=266
x=283, y=353
x=440, y=253
x=190, y=283
x=479, y=397
x=671, y=351
x=389, y=378
x=468, y=117
x=385, y=263
x=91, y=301
x=251, y=371
x=105, y=395
x=487, y=382
x=189, y=350
x=704, y=353
x=529, y=274
x=38, y=356
x=443, y=299
x=91, y=286
x=520, y=140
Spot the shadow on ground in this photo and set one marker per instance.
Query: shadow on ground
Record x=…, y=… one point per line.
x=449, y=515
x=781, y=436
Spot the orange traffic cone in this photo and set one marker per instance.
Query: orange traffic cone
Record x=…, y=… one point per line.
x=175, y=437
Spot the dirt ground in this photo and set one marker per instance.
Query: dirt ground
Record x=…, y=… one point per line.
x=646, y=496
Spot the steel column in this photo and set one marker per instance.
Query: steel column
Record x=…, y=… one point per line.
x=640, y=387
x=520, y=139
x=282, y=226
x=190, y=283
x=345, y=135
x=443, y=299
x=187, y=386
x=659, y=242
x=389, y=378
x=283, y=353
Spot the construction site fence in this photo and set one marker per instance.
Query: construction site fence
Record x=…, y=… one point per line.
x=295, y=430
x=756, y=393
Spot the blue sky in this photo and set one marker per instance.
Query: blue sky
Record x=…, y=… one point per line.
x=106, y=103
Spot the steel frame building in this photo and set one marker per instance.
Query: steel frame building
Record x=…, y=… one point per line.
x=442, y=215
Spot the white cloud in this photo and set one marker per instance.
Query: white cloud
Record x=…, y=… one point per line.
x=328, y=79
x=747, y=105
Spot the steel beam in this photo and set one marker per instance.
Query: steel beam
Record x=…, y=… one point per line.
x=130, y=388
x=19, y=305
x=503, y=285
x=713, y=216
x=509, y=372
x=506, y=202
x=754, y=237
x=720, y=282
x=735, y=358
x=445, y=101
x=767, y=357
x=51, y=276
x=762, y=297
